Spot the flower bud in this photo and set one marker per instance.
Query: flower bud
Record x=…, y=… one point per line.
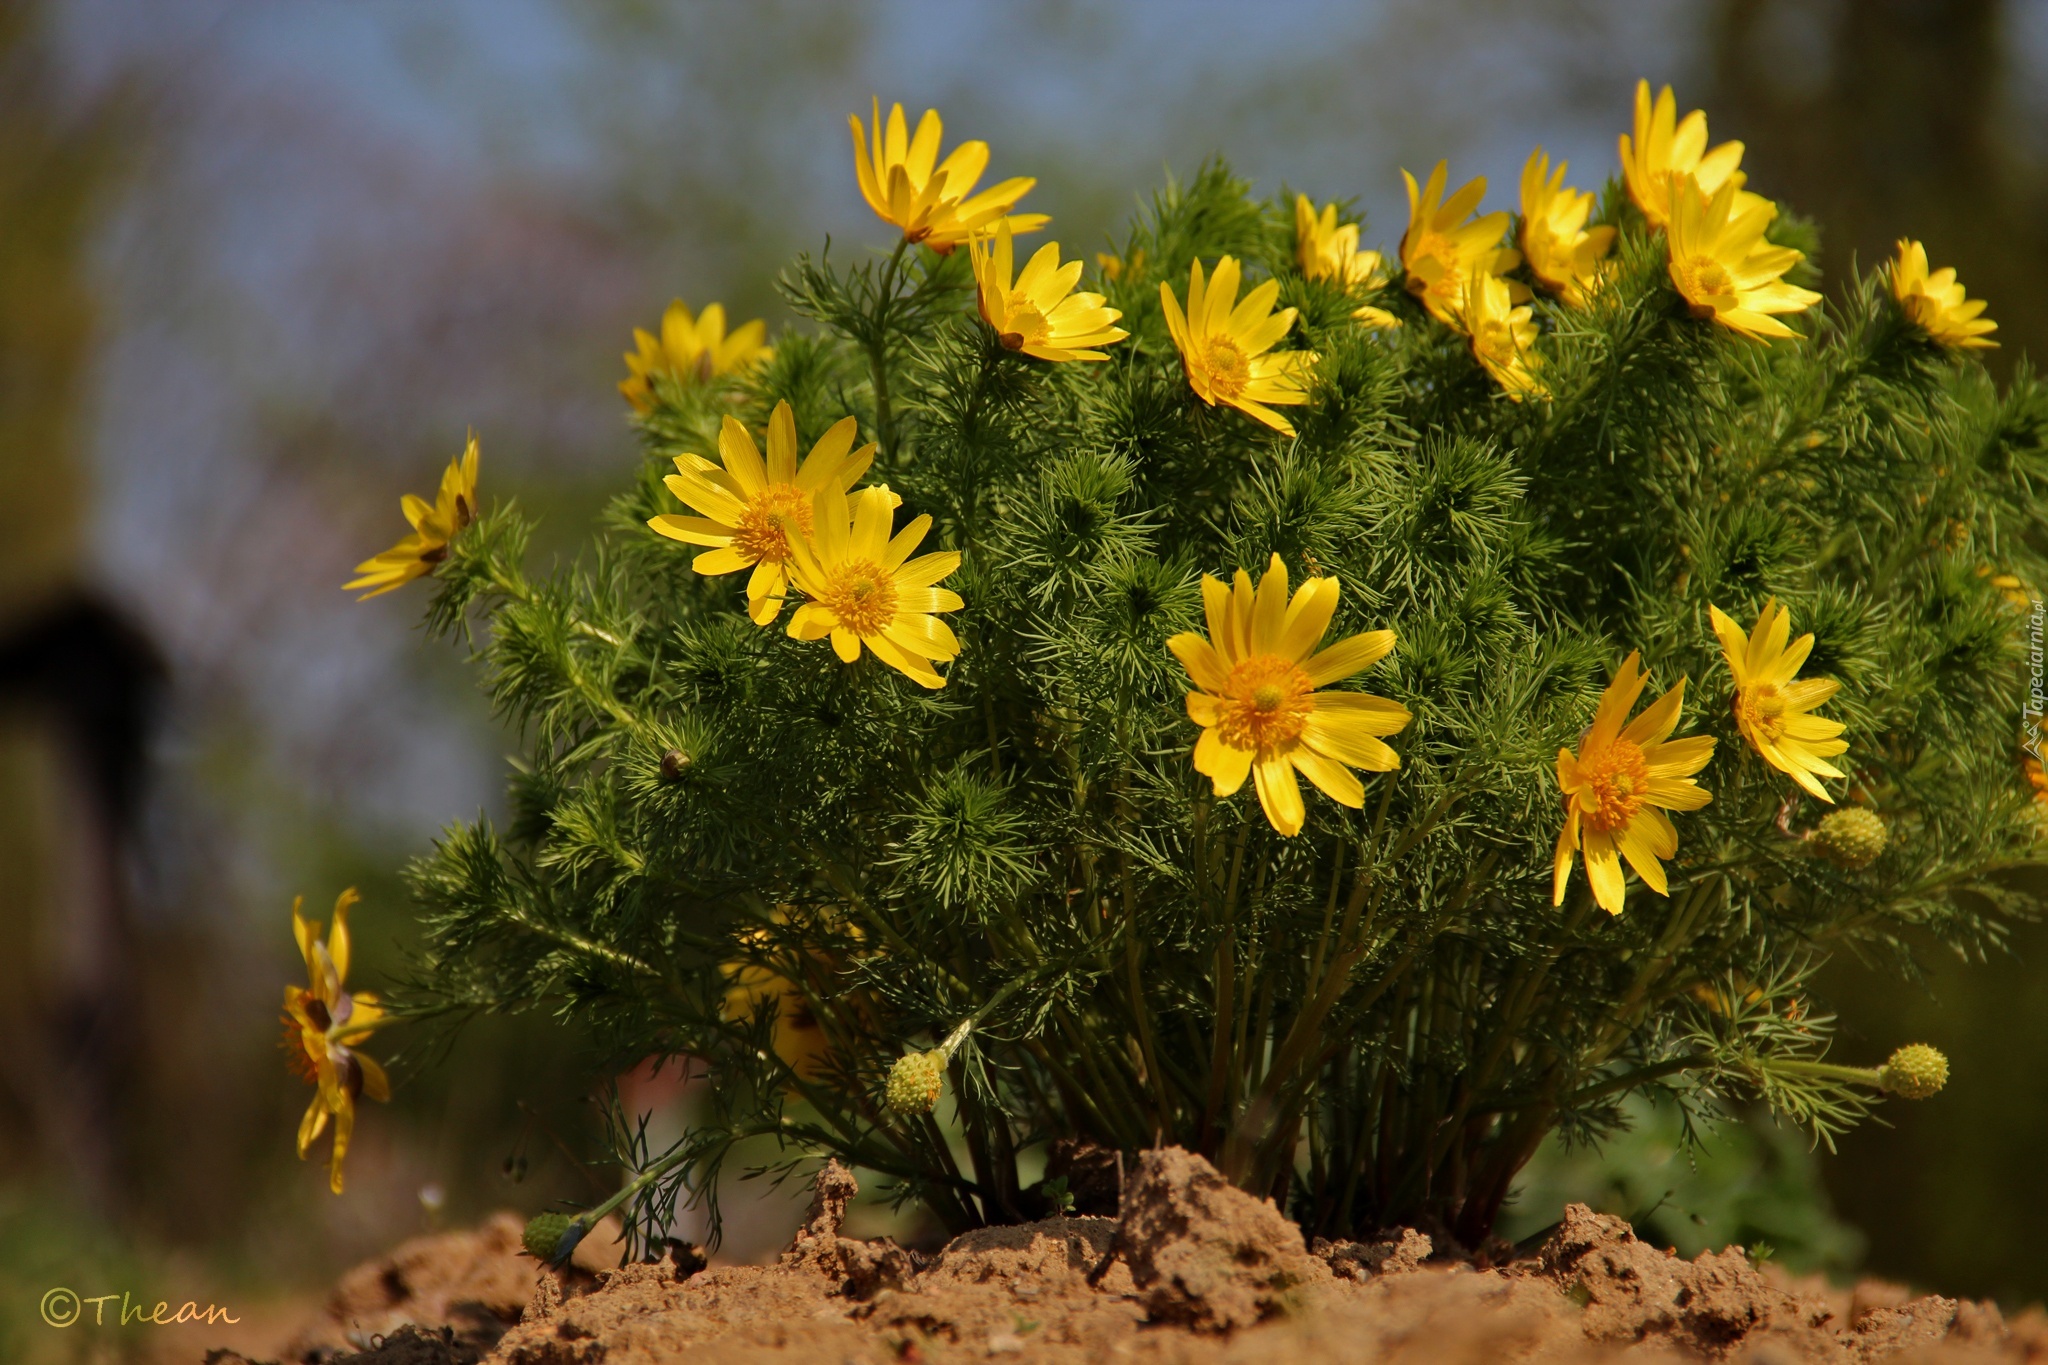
x=916, y=1081
x=1850, y=838
x=551, y=1237
x=1914, y=1072
x=674, y=763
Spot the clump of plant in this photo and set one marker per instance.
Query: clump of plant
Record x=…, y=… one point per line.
x=1350, y=716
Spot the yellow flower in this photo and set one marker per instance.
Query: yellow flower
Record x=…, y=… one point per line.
x=1376, y=319
x=1503, y=335
x=1224, y=344
x=433, y=528
x=1115, y=267
x=690, y=350
x=1664, y=146
x=1563, y=253
x=324, y=1024
x=1771, y=701
x=1328, y=250
x=1441, y=247
x=1040, y=314
x=1936, y=303
x=1257, y=702
x=907, y=185
x=1724, y=267
x=748, y=507
x=1619, y=786
x=866, y=590
x=798, y=1038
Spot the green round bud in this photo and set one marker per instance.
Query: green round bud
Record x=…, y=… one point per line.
x=550, y=1237
x=916, y=1081
x=1850, y=838
x=1914, y=1072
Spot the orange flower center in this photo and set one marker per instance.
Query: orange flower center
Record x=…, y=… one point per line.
x=1761, y=711
x=1266, y=702
x=1226, y=364
x=296, y=1058
x=1616, y=779
x=861, y=596
x=1706, y=284
x=1025, y=326
x=760, y=535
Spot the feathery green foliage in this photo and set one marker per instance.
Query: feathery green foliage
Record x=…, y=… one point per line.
x=728, y=845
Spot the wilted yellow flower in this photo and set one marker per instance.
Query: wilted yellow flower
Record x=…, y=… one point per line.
x=1563, y=253
x=748, y=507
x=1936, y=303
x=1771, y=701
x=907, y=185
x=690, y=349
x=1328, y=250
x=1503, y=335
x=1618, y=787
x=1040, y=314
x=434, y=527
x=1226, y=346
x=1724, y=267
x=324, y=1025
x=1441, y=246
x=1257, y=701
x=866, y=590
x=1665, y=146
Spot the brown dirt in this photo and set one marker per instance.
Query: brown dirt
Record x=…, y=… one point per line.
x=1194, y=1270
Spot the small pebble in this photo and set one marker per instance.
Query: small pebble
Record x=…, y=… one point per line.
x=1005, y=1344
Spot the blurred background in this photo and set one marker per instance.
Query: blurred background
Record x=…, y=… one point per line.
x=262, y=264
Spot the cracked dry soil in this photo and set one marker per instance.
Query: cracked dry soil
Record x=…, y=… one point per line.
x=1192, y=1271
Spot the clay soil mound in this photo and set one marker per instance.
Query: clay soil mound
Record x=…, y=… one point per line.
x=1193, y=1270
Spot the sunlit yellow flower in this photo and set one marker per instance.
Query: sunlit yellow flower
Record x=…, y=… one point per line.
x=907, y=185
x=864, y=588
x=1226, y=344
x=748, y=507
x=1620, y=784
x=1772, y=701
x=1724, y=267
x=1563, y=253
x=1664, y=146
x=1503, y=335
x=1936, y=303
x=434, y=527
x=1040, y=314
x=1257, y=701
x=1376, y=319
x=1328, y=250
x=1116, y=268
x=324, y=1025
x=1441, y=246
x=690, y=350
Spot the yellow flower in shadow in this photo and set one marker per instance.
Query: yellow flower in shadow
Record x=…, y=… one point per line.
x=1620, y=783
x=1772, y=702
x=1258, y=703
x=1328, y=250
x=434, y=527
x=324, y=1025
x=1503, y=335
x=932, y=201
x=1040, y=314
x=747, y=507
x=690, y=350
x=1563, y=253
x=1936, y=303
x=1226, y=345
